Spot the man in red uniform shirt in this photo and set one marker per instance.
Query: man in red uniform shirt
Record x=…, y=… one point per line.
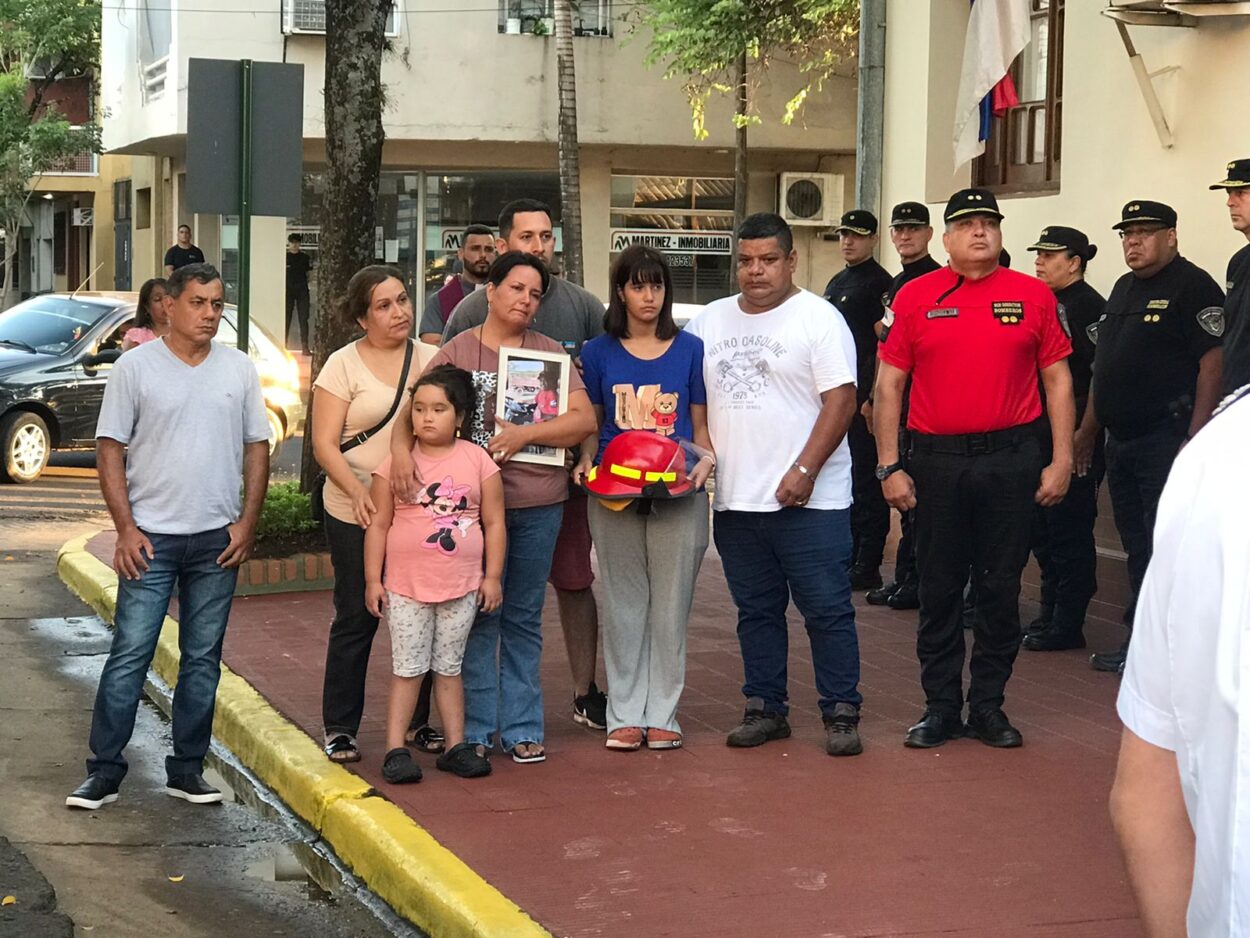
x=973, y=337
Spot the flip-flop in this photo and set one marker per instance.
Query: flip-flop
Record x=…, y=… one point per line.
x=426, y=739
x=342, y=748
x=539, y=756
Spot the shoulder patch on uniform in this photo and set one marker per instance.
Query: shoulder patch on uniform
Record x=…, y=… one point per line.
x=1230, y=400
x=1212, y=320
x=1063, y=319
x=1158, y=304
x=887, y=317
x=1008, y=312
x=1091, y=331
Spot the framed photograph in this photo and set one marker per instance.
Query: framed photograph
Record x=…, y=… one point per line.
x=533, y=387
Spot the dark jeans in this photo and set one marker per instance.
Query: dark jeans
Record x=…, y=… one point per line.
x=769, y=556
x=870, y=515
x=1136, y=472
x=1064, y=547
x=297, y=302
x=972, y=511
x=205, y=592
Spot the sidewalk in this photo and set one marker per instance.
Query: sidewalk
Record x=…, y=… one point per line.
x=781, y=840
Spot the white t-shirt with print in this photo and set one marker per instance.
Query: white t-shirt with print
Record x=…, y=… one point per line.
x=765, y=373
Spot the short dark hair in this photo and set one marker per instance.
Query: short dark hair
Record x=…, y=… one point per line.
x=763, y=225
x=188, y=227
x=200, y=273
x=478, y=230
x=296, y=237
x=520, y=205
x=143, y=316
x=639, y=264
x=359, y=293
x=456, y=383
x=506, y=261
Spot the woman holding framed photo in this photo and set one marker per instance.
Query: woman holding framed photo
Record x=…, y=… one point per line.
x=645, y=374
x=501, y=682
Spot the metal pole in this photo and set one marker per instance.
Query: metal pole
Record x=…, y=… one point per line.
x=870, y=124
x=245, y=208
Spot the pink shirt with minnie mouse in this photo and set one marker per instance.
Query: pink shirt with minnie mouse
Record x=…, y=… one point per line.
x=435, y=545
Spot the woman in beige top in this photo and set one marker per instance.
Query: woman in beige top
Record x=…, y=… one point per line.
x=353, y=392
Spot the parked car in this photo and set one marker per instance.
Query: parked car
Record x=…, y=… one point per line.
x=56, y=352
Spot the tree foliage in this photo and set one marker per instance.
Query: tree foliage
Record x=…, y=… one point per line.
x=41, y=41
x=701, y=42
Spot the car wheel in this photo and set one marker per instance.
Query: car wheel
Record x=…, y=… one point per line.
x=27, y=446
x=277, y=432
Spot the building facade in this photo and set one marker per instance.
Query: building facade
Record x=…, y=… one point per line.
x=471, y=123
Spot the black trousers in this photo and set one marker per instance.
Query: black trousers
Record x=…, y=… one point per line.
x=1136, y=472
x=351, y=636
x=1063, y=543
x=972, y=511
x=870, y=515
x=297, y=302
x=905, y=553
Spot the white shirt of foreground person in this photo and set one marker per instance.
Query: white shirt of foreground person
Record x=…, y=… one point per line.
x=765, y=373
x=1186, y=685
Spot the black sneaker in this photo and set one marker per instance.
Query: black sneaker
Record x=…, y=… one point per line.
x=93, y=793
x=881, y=595
x=907, y=596
x=993, y=728
x=758, y=726
x=463, y=760
x=842, y=731
x=192, y=788
x=591, y=708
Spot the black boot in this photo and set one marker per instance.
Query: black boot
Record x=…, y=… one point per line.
x=865, y=577
x=907, y=596
x=1065, y=632
x=881, y=595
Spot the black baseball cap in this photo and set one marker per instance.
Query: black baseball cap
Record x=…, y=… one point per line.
x=1062, y=238
x=1143, y=211
x=858, y=221
x=1238, y=176
x=909, y=213
x=967, y=202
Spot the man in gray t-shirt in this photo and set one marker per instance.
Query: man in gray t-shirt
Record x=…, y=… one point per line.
x=181, y=417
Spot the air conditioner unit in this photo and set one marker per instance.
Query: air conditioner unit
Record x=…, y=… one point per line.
x=812, y=199
x=84, y=217
x=309, y=17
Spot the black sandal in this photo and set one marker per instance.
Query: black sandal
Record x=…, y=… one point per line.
x=426, y=738
x=464, y=760
x=399, y=769
x=342, y=748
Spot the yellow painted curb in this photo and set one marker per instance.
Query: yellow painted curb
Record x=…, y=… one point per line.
x=397, y=858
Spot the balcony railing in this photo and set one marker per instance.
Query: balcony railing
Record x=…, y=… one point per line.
x=85, y=163
x=153, y=78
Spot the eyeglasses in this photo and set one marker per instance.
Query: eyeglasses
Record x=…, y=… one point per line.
x=1140, y=234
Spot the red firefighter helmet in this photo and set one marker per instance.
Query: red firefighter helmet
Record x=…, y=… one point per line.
x=640, y=464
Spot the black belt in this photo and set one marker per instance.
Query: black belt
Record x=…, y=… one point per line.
x=973, y=444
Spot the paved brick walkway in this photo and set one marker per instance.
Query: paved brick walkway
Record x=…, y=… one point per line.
x=781, y=840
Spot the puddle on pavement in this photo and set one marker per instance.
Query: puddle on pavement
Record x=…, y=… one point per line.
x=288, y=864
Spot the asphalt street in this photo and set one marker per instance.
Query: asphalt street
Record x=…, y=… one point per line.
x=148, y=864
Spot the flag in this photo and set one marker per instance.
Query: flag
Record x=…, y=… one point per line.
x=997, y=31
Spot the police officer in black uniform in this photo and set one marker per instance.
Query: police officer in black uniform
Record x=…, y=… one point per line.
x=1157, y=373
x=858, y=291
x=1237, y=307
x=911, y=232
x=1064, y=537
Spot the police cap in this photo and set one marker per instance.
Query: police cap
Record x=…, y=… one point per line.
x=859, y=222
x=968, y=202
x=1238, y=176
x=909, y=213
x=1062, y=238
x=1143, y=211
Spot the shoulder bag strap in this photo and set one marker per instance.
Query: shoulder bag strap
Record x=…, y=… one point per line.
x=360, y=438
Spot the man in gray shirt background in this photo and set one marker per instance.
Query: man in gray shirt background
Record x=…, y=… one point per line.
x=181, y=416
x=571, y=316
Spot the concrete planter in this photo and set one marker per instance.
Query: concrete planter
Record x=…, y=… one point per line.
x=299, y=573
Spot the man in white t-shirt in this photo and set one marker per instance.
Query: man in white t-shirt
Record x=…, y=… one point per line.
x=780, y=372
x=1183, y=782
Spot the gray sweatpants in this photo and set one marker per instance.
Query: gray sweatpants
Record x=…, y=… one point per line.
x=648, y=565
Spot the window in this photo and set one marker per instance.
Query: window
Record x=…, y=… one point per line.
x=1022, y=152
x=309, y=16
x=143, y=207
x=590, y=17
x=155, y=34
x=121, y=200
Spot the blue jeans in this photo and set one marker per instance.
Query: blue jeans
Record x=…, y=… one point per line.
x=205, y=592
x=502, y=690
x=769, y=556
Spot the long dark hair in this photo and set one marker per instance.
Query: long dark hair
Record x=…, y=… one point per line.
x=639, y=264
x=360, y=289
x=458, y=385
x=143, y=315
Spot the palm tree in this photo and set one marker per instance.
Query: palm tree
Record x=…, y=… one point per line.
x=570, y=164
